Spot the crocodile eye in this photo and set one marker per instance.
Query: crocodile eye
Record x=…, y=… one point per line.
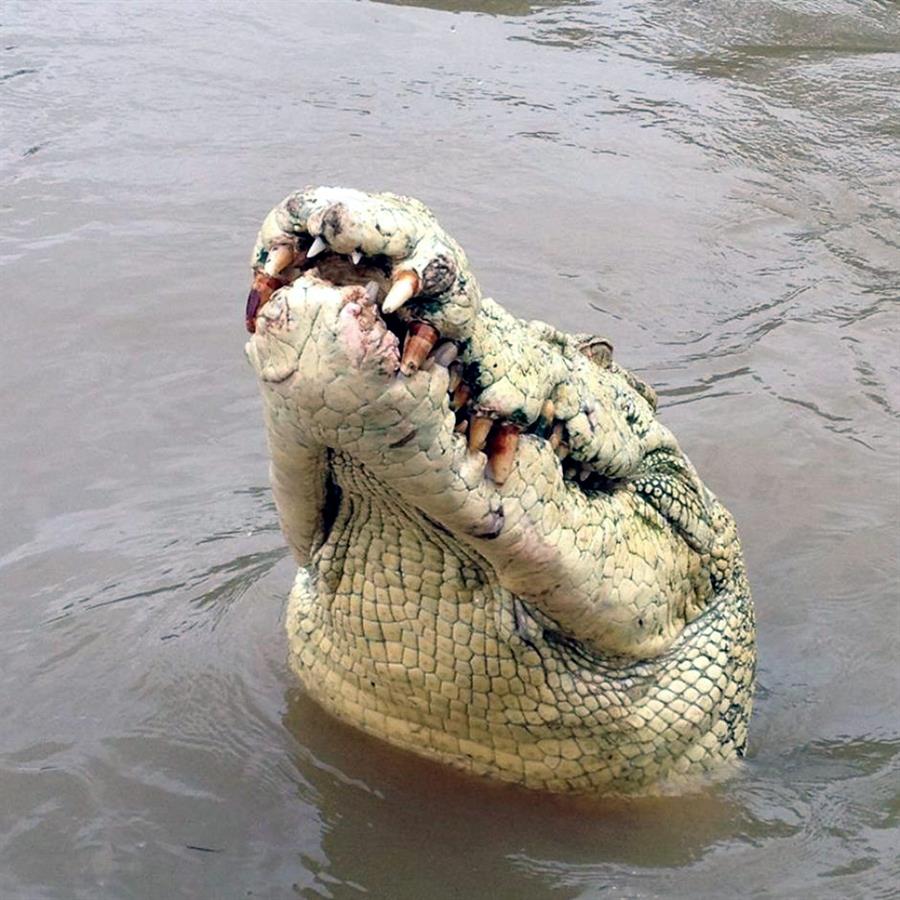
x=597, y=349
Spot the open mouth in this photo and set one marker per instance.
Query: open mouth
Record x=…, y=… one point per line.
x=437, y=460
x=377, y=350
x=305, y=259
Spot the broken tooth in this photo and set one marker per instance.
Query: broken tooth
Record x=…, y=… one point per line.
x=356, y=256
x=405, y=286
x=502, y=451
x=460, y=396
x=446, y=353
x=318, y=245
x=420, y=340
x=279, y=258
x=479, y=429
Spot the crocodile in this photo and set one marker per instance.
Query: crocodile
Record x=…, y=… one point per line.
x=506, y=562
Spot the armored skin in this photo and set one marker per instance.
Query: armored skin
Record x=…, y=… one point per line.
x=506, y=561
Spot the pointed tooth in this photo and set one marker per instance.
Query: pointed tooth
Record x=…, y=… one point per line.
x=548, y=410
x=462, y=426
x=584, y=473
x=446, y=353
x=318, y=245
x=455, y=379
x=356, y=256
x=556, y=435
x=405, y=286
x=479, y=429
x=280, y=257
x=420, y=340
x=372, y=291
x=460, y=396
x=502, y=451
x=562, y=451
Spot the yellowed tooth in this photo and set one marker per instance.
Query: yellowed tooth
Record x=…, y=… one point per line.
x=279, y=258
x=420, y=341
x=405, y=286
x=461, y=426
x=455, y=379
x=502, y=451
x=479, y=429
x=562, y=451
x=460, y=396
x=556, y=435
x=548, y=410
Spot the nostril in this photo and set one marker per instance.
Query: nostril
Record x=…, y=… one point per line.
x=438, y=275
x=334, y=220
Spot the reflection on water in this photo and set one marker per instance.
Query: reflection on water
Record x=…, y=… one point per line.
x=517, y=843
x=713, y=186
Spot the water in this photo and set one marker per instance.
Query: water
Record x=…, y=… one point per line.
x=713, y=185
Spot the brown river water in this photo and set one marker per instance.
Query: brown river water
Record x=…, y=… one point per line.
x=713, y=185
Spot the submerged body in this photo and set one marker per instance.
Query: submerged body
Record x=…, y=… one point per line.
x=507, y=563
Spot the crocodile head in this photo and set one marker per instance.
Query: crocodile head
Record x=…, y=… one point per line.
x=392, y=388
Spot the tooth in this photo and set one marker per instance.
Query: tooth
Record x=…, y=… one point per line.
x=562, y=451
x=455, y=379
x=318, y=245
x=419, y=342
x=556, y=435
x=502, y=451
x=461, y=426
x=479, y=429
x=460, y=396
x=356, y=256
x=446, y=353
x=280, y=258
x=584, y=473
x=548, y=410
x=405, y=286
x=372, y=291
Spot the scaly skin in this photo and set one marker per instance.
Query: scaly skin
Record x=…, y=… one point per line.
x=566, y=609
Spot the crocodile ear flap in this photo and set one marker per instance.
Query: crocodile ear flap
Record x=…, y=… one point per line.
x=600, y=351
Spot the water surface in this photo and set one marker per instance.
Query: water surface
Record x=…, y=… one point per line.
x=713, y=185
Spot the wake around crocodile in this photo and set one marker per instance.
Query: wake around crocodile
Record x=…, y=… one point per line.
x=506, y=561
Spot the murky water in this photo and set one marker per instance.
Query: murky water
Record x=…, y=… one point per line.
x=714, y=185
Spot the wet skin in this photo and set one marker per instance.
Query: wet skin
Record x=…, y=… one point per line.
x=507, y=562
